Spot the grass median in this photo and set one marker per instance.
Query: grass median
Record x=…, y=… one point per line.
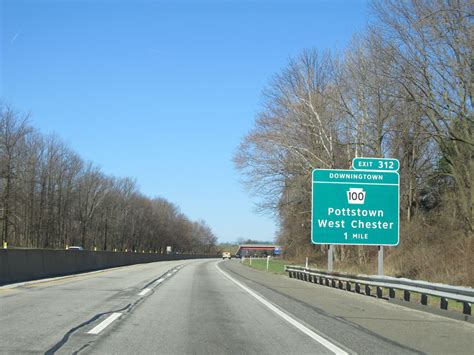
x=275, y=266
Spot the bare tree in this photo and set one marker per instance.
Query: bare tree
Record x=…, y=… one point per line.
x=12, y=134
x=430, y=44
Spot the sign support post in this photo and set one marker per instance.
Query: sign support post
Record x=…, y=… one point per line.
x=330, y=257
x=380, y=261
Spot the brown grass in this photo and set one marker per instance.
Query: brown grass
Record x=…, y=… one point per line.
x=425, y=252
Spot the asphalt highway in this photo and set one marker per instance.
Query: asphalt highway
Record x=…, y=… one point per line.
x=212, y=307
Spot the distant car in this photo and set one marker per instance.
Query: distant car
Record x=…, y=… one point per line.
x=226, y=255
x=237, y=256
x=75, y=248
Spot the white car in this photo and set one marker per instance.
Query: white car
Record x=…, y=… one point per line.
x=75, y=248
x=226, y=255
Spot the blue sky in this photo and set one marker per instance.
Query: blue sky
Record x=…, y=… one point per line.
x=163, y=91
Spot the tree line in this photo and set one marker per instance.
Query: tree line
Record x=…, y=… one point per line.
x=51, y=198
x=402, y=89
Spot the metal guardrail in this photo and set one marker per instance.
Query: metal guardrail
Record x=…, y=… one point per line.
x=363, y=284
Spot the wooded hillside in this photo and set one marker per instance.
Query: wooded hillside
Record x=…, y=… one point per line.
x=402, y=89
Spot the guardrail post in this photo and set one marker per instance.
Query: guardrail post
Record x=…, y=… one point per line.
x=367, y=290
x=391, y=293
x=466, y=308
x=406, y=296
x=424, y=299
x=357, y=287
x=340, y=284
x=379, y=292
x=326, y=281
x=333, y=283
x=444, y=303
x=348, y=286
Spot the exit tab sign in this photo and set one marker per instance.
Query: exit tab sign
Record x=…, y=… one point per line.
x=355, y=207
x=376, y=164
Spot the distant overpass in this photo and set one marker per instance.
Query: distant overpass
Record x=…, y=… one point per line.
x=258, y=249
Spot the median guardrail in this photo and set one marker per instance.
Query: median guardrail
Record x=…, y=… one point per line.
x=17, y=265
x=363, y=284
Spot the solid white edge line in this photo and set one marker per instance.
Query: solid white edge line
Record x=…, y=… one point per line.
x=100, y=327
x=144, y=292
x=324, y=342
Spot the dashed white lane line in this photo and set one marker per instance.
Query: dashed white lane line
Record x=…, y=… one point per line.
x=100, y=327
x=324, y=342
x=156, y=283
x=144, y=292
x=159, y=281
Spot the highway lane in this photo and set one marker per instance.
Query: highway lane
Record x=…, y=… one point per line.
x=194, y=310
x=36, y=316
x=200, y=311
x=214, y=309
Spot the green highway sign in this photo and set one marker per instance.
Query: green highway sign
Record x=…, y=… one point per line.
x=376, y=164
x=355, y=207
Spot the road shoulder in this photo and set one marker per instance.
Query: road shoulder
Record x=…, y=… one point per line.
x=359, y=322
